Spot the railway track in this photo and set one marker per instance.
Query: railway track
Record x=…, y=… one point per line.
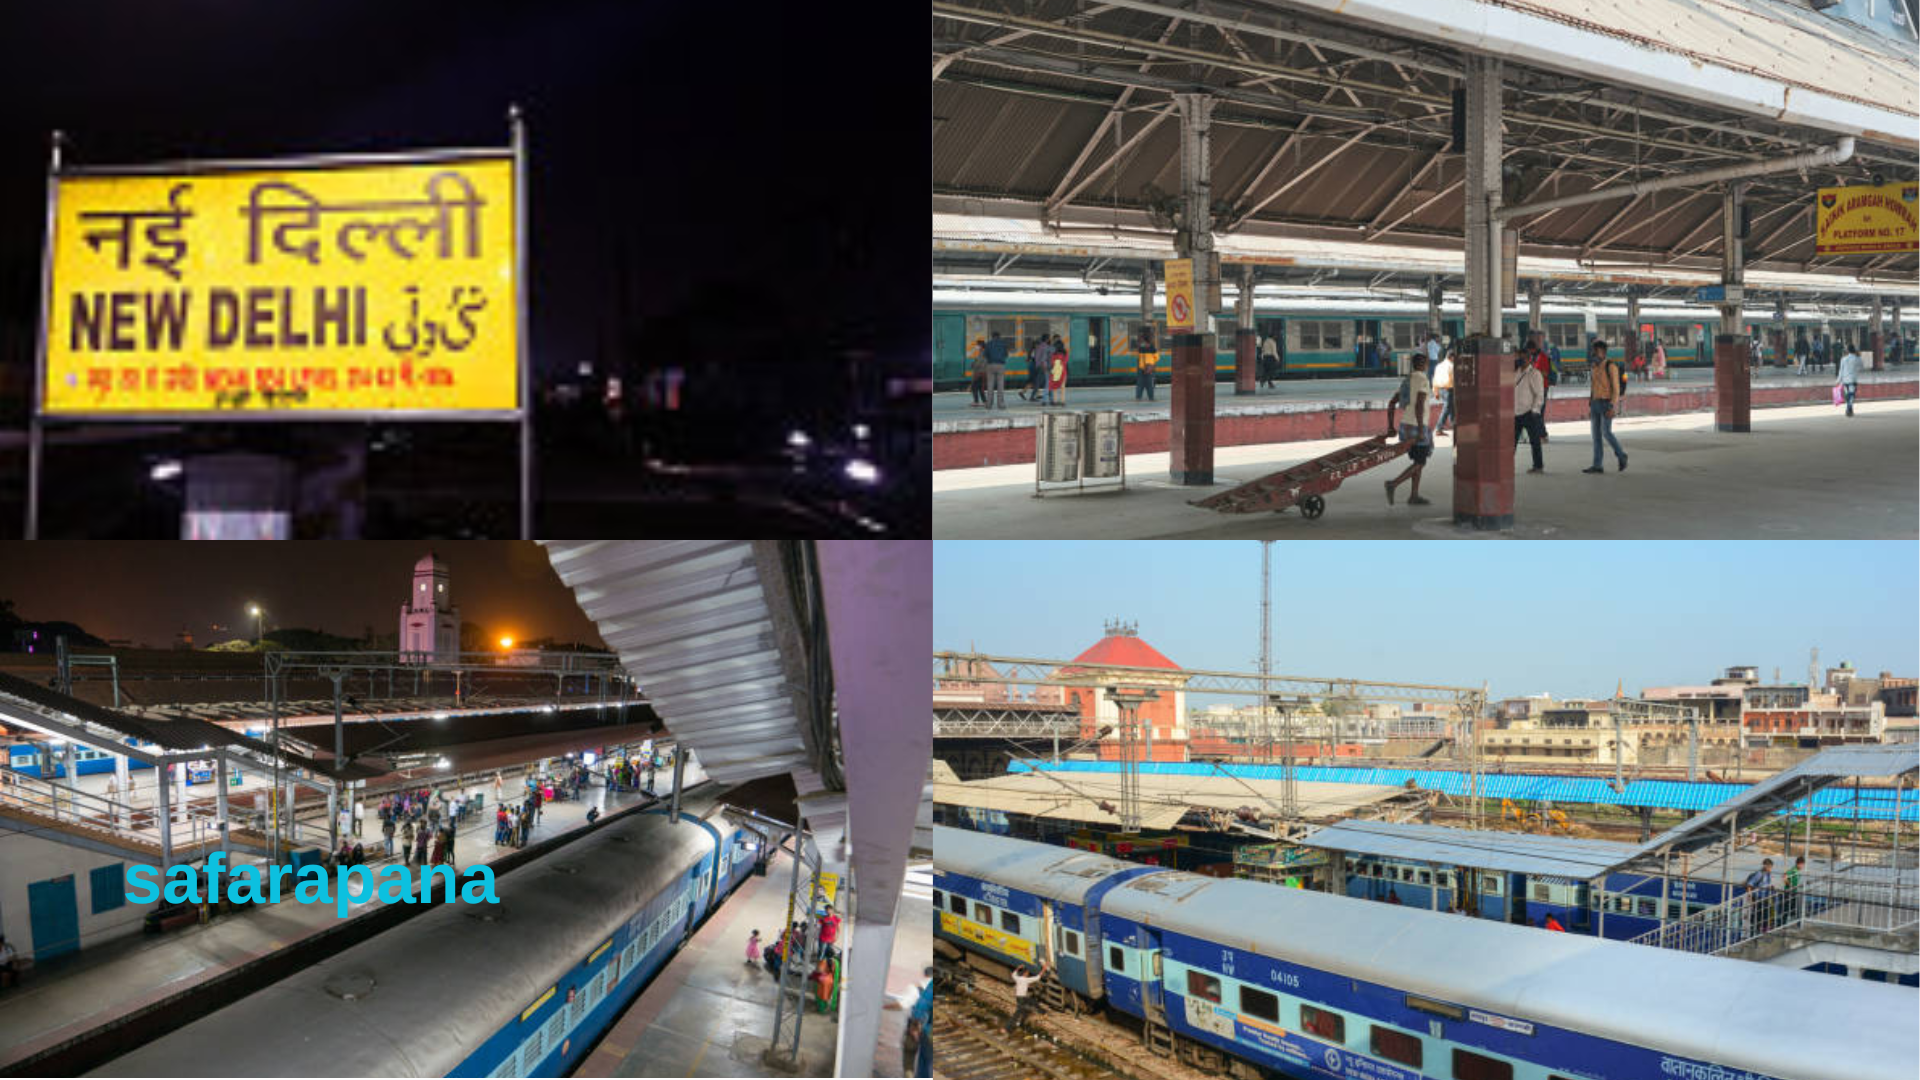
x=970, y=1042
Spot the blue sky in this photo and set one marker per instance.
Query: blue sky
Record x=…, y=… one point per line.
x=1563, y=618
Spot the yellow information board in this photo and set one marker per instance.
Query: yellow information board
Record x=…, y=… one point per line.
x=310, y=291
x=1851, y=220
x=1180, y=308
x=830, y=887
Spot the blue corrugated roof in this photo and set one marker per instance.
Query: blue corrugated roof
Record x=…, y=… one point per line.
x=1875, y=805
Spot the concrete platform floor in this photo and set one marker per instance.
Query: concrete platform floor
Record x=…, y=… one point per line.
x=83, y=990
x=1802, y=473
x=710, y=1013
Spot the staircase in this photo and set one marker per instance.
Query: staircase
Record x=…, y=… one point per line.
x=1870, y=908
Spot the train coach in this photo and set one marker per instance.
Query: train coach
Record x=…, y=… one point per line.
x=521, y=988
x=1254, y=980
x=1314, y=338
x=1026, y=904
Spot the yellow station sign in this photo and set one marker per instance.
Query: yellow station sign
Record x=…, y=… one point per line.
x=1180, y=308
x=386, y=289
x=1853, y=220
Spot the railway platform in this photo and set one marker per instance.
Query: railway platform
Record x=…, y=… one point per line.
x=100, y=987
x=1804, y=472
x=1306, y=410
x=709, y=1013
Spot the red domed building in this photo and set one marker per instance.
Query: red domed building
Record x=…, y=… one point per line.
x=1086, y=684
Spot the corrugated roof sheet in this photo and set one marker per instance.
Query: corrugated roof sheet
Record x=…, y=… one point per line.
x=1520, y=853
x=692, y=621
x=1163, y=801
x=1660, y=794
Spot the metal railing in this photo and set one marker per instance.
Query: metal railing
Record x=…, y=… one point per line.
x=1846, y=904
x=192, y=825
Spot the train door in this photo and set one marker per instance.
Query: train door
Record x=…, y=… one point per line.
x=1097, y=345
x=1466, y=889
x=950, y=346
x=1152, y=1001
x=1517, y=899
x=1049, y=946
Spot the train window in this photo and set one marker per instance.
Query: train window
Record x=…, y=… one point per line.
x=1406, y=873
x=1426, y=878
x=983, y=914
x=1259, y=1004
x=1569, y=335
x=1540, y=891
x=1006, y=328
x=1115, y=961
x=1070, y=942
x=1396, y=1045
x=1623, y=905
x=1490, y=886
x=1327, y=1025
x=958, y=904
x=1468, y=1065
x=1649, y=908
x=1614, y=333
x=1010, y=922
x=1204, y=986
x=939, y=900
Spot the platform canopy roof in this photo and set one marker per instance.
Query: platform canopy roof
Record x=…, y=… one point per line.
x=1333, y=118
x=1780, y=792
x=1164, y=800
x=1518, y=853
x=27, y=703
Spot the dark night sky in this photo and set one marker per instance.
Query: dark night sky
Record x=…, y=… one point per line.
x=147, y=591
x=710, y=148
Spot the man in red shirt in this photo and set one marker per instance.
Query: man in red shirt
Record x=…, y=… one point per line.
x=1554, y=924
x=829, y=932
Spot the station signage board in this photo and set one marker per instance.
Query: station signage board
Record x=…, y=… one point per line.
x=1871, y=218
x=314, y=290
x=1180, y=308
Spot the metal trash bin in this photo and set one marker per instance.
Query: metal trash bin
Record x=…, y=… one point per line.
x=1104, y=454
x=1058, y=437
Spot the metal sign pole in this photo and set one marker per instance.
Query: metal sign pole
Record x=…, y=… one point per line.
x=35, y=433
x=519, y=128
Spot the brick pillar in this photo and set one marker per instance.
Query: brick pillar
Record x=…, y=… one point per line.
x=1246, y=349
x=1190, y=432
x=1732, y=384
x=1483, y=433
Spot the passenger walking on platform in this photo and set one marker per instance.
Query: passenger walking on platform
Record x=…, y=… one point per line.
x=406, y=843
x=1659, y=361
x=501, y=823
x=422, y=840
x=386, y=829
x=1606, y=389
x=1529, y=403
x=1800, y=353
x=1433, y=349
x=1148, y=359
x=1413, y=395
x=1023, y=981
x=1038, y=353
x=977, y=374
x=1443, y=386
x=829, y=932
x=753, y=949
x=1269, y=361
x=1759, y=891
x=996, y=352
x=1848, y=379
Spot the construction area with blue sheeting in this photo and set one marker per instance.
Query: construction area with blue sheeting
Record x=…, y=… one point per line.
x=1875, y=804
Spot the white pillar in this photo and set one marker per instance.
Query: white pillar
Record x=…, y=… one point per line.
x=220, y=798
x=125, y=785
x=869, y=953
